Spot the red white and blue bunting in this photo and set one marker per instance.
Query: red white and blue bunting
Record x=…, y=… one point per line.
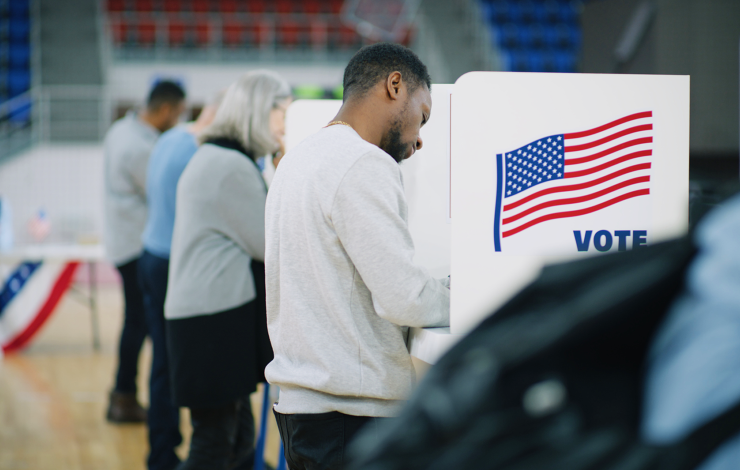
x=28, y=297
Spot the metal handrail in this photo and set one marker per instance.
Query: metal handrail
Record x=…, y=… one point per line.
x=50, y=93
x=14, y=104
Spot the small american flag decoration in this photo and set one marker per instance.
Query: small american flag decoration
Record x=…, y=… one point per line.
x=39, y=226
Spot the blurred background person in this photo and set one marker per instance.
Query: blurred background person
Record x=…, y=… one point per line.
x=693, y=370
x=128, y=144
x=216, y=325
x=170, y=155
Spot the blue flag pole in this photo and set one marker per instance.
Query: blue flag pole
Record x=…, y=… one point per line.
x=499, y=196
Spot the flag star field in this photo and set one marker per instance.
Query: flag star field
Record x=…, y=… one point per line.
x=538, y=162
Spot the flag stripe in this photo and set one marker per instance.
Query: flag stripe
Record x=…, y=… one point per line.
x=596, y=143
x=596, y=130
x=611, y=163
x=589, y=210
x=576, y=187
x=576, y=200
x=609, y=151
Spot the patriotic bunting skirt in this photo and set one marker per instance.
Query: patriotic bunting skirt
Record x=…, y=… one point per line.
x=29, y=295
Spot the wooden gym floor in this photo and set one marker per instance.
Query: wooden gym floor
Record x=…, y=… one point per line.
x=54, y=394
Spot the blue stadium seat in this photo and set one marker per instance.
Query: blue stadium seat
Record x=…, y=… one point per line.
x=528, y=11
x=535, y=61
x=576, y=36
x=515, y=11
x=19, y=55
x=19, y=30
x=506, y=61
x=19, y=81
x=563, y=36
x=567, y=12
x=565, y=62
x=19, y=8
x=500, y=12
x=550, y=11
x=540, y=12
x=537, y=33
x=517, y=61
x=551, y=36
x=525, y=36
x=508, y=36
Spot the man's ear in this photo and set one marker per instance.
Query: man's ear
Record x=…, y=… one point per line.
x=162, y=110
x=393, y=85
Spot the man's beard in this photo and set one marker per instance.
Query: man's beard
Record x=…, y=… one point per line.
x=392, y=144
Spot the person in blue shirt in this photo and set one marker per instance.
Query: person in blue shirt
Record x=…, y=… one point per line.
x=693, y=371
x=168, y=159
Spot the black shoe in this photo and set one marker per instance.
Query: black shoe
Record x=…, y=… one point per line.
x=125, y=408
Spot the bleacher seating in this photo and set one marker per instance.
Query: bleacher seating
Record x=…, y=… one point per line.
x=535, y=35
x=15, y=54
x=231, y=24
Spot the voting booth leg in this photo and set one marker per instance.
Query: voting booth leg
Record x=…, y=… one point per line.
x=93, y=303
x=259, y=451
x=282, y=465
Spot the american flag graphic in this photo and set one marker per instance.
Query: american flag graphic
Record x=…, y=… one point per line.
x=573, y=174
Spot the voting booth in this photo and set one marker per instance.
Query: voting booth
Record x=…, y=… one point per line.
x=550, y=167
x=519, y=170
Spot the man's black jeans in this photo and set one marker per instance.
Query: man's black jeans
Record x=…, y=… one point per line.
x=134, y=328
x=319, y=441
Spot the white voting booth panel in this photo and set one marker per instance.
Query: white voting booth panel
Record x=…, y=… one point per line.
x=548, y=167
x=306, y=117
x=427, y=184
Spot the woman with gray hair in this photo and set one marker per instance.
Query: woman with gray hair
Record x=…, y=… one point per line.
x=216, y=327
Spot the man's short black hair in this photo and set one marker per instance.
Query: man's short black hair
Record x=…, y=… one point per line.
x=165, y=91
x=374, y=63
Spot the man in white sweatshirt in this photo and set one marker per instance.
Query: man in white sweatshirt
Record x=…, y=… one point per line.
x=342, y=289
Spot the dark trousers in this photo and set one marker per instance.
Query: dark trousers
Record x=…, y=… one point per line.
x=320, y=441
x=134, y=329
x=223, y=437
x=163, y=419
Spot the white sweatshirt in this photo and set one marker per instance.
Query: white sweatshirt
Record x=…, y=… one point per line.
x=341, y=284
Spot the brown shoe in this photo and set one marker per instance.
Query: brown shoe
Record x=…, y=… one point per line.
x=124, y=408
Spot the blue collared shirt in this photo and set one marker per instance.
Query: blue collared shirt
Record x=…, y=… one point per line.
x=168, y=160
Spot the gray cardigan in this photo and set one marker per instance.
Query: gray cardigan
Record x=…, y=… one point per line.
x=219, y=229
